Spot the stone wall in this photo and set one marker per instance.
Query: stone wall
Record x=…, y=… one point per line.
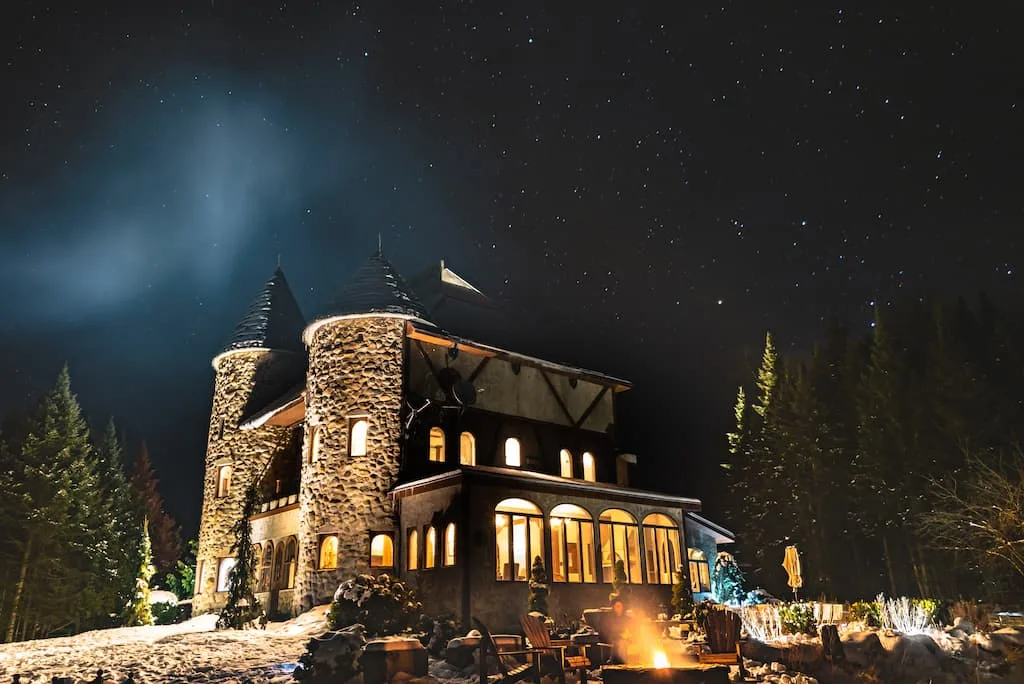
x=240, y=376
x=355, y=369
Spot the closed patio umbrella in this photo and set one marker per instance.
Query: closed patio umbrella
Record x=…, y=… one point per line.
x=791, y=563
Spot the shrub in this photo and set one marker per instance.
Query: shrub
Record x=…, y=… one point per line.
x=933, y=608
x=903, y=615
x=727, y=579
x=974, y=612
x=436, y=632
x=868, y=612
x=682, y=598
x=383, y=605
x=537, y=600
x=620, y=589
x=798, y=618
x=167, y=613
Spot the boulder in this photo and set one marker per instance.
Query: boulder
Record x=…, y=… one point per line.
x=963, y=624
x=332, y=656
x=863, y=648
x=383, y=659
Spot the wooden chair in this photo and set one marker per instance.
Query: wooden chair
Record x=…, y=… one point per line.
x=537, y=634
x=723, y=639
x=506, y=675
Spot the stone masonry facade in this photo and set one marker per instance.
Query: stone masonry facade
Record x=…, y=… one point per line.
x=239, y=374
x=355, y=370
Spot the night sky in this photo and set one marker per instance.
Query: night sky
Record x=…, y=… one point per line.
x=647, y=189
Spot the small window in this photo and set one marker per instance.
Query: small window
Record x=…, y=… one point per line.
x=290, y=562
x=512, y=456
x=224, y=480
x=437, y=444
x=449, y=545
x=265, y=567
x=412, y=559
x=224, y=573
x=382, y=551
x=565, y=461
x=357, y=437
x=589, y=471
x=467, y=449
x=430, y=548
x=700, y=577
x=314, y=444
x=328, y=552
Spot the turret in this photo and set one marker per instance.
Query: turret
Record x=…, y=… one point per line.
x=263, y=358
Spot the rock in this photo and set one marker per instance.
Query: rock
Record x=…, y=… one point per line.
x=777, y=668
x=785, y=679
x=964, y=625
x=804, y=679
x=1009, y=635
x=332, y=656
x=863, y=648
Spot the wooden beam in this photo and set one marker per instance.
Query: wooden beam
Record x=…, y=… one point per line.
x=561, y=404
x=479, y=367
x=421, y=336
x=591, y=407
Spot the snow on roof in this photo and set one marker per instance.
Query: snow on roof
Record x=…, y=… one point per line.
x=722, y=535
x=452, y=278
x=272, y=321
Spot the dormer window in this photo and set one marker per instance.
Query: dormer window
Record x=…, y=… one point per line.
x=437, y=444
x=589, y=469
x=512, y=455
x=467, y=449
x=565, y=462
x=357, y=430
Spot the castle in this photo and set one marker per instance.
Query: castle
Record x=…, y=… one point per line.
x=383, y=441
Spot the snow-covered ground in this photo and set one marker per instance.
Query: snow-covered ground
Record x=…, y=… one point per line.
x=191, y=651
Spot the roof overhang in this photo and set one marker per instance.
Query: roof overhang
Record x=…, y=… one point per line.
x=433, y=335
x=720, y=534
x=286, y=411
x=228, y=352
x=307, y=334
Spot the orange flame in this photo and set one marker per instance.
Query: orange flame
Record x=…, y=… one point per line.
x=660, y=659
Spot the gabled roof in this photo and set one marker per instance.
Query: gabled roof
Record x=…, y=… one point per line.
x=272, y=321
x=376, y=288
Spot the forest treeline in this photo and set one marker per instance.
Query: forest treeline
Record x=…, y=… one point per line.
x=73, y=522
x=871, y=454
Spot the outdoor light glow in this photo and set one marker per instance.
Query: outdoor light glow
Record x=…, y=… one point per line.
x=660, y=659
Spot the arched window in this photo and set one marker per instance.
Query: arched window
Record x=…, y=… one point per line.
x=589, y=469
x=412, y=553
x=382, y=551
x=572, y=544
x=224, y=480
x=430, y=547
x=328, y=552
x=467, y=449
x=437, y=444
x=276, y=582
x=290, y=565
x=357, y=437
x=661, y=548
x=266, y=566
x=512, y=455
x=700, y=575
x=565, y=462
x=620, y=541
x=224, y=573
x=518, y=539
x=448, y=557
x=314, y=444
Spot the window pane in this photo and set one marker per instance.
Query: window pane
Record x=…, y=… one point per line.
x=413, y=552
x=589, y=470
x=573, y=550
x=512, y=455
x=430, y=548
x=520, y=548
x=329, y=552
x=381, y=551
x=607, y=553
x=587, y=547
x=226, y=564
x=633, y=548
x=536, y=538
x=705, y=578
x=517, y=506
x=694, y=577
x=467, y=449
x=449, y=544
x=357, y=437
x=565, y=462
x=503, y=564
x=664, y=557
x=673, y=544
x=290, y=563
x=651, y=555
x=224, y=480
x=557, y=550
x=437, y=444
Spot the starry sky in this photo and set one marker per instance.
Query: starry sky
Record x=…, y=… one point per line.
x=647, y=187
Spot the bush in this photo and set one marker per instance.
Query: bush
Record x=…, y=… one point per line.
x=537, y=599
x=798, y=618
x=167, y=613
x=934, y=609
x=682, y=597
x=436, y=632
x=868, y=612
x=975, y=612
x=383, y=605
x=727, y=580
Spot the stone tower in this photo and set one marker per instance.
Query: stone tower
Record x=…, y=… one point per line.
x=263, y=359
x=356, y=365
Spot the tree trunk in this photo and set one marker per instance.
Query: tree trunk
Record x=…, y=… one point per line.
x=19, y=589
x=888, y=563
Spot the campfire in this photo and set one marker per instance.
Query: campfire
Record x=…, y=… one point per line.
x=660, y=660
x=659, y=669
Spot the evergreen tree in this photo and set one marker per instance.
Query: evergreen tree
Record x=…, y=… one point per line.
x=538, y=596
x=682, y=596
x=182, y=580
x=163, y=529
x=139, y=611
x=242, y=607
x=620, y=587
x=727, y=580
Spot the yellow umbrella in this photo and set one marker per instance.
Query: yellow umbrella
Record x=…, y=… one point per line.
x=791, y=563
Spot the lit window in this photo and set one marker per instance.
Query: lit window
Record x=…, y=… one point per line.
x=430, y=548
x=437, y=444
x=467, y=449
x=328, y=552
x=620, y=541
x=314, y=444
x=572, y=544
x=224, y=480
x=290, y=563
x=382, y=551
x=224, y=573
x=565, y=462
x=512, y=457
x=661, y=548
x=413, y=551
x=449, y=545
x=589, y=471
x=700, y=575
x=518, y=539
x=357, y=437
x=265, y=567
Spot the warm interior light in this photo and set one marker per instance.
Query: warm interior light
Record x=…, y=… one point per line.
x=660, y=659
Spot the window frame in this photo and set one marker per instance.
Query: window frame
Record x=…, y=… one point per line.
x=533, y=520
x=565, y=463
x=579, y=523
x=266, y=567
x=462, y=448
x=389, y=537
x=429, y=547
x=699, y=581
x=632, y=577
x=448, y=547
x=353, y=421
x=223, y=484
x=510, y=442
x=589, y=467
x=224, y=575
x=437, y=431
x=673, y=550
x=412, y=549
x=324, y=538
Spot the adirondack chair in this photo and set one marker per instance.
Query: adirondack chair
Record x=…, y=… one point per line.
x=723, y=639
x=506, y=674
x=537, y=634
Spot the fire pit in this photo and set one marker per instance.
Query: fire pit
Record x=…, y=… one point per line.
x=686, y=674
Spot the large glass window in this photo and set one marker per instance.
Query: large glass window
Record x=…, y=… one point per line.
x=265, y=567
x=700, y=575
x=620, y=540
x=357, y=436
x=519, y=538
x=661, y=548
x=224, y=573
x=277, y=580
x=328, y=552
x=467, y=449
x=565, y=463
x=412, y=553
x=430, y=547
x=437, y=444
x=449, y=545
x=512, y=454
x=589, y=468
x=572, y=544
x=224, y=480
x=382, y=551
x=290, y=562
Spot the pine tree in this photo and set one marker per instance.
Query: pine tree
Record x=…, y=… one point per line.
x=682, y=596
x=620, y=588
x=163, y=529
x=727, y=580
x=537, y=601
x=139, y=611
x=242, y=607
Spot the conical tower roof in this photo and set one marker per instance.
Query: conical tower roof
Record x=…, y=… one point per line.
x=272, y=321
x=376, y=288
